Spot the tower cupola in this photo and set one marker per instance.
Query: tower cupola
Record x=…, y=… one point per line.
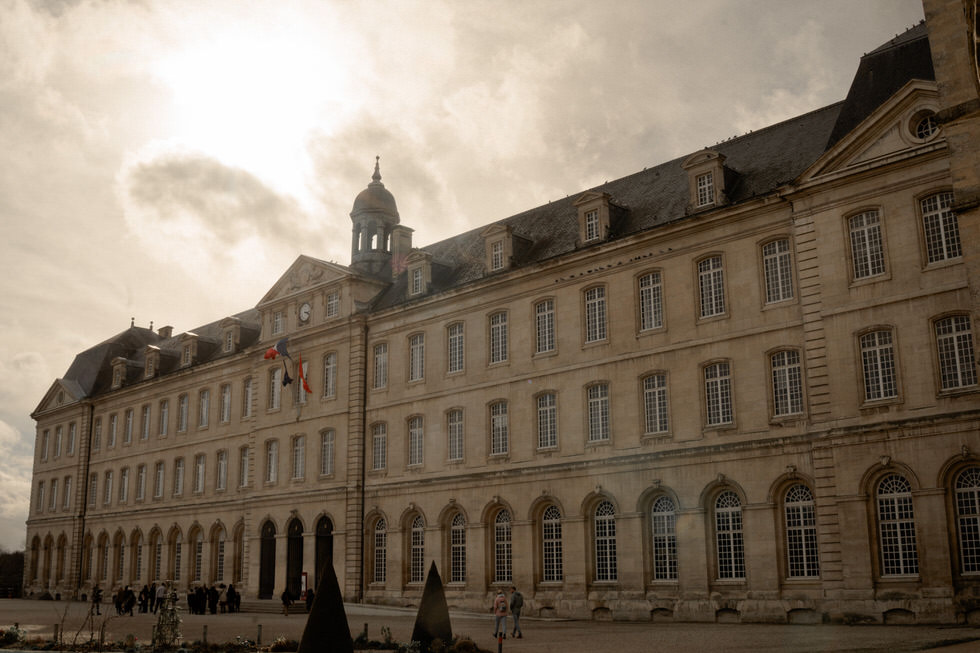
x=374, y=218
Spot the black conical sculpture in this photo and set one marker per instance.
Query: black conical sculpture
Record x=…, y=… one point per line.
x=432, y=621
x=327, y=630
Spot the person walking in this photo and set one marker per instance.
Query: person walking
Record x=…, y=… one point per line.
x=516, y=603
x=161, y=596
x=287, y=600
x=97, y=599
x=500, y=615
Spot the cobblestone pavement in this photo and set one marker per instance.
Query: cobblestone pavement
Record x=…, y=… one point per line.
x=39, y=618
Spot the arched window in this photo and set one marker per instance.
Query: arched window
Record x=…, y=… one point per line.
x=728, y=536
x=457, y=549
x=502, y=548
x=896, y=526
x=605, y=541
x=551, y=548
x=137, y=558
x=198, y=556
x=802, y=560
x=417, y=557
x=968, y=519
x=663, y=523
x=380, y=551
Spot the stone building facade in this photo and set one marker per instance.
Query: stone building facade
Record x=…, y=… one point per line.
x=740, y=385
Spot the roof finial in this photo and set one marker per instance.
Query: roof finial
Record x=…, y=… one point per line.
x=377, y=169
x=132, y=322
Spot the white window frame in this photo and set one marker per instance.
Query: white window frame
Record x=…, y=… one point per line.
x=604, y=534
x=878, y=365
x=498, y=337
x=271, y=461
x=544, y=326
x=299, y=457
x=711, y=286
x=705, y=189
x=718, y=394
x=552, y=570
x=663, y=526
x=330, y=375
x=896, y=527
x=379, y=446
x=416, y=357
x=225, y=411
x=499, y=429
x=777, y=265
x=786, y=370
x=455, y=344
x=802, y=555
x=416, y=440
x=954, y=344
x=656, y=416
x=650, y=300
x=547, y=414
x=455, y=429
x=503, y=548
x=595, y=314
x=867, y=245
x=328, y=439
x=597, y=398
x=380, y=365
x=941, y=228
x=333, y=304
x=729, y=536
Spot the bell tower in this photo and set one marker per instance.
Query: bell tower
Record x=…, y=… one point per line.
x=374, y=217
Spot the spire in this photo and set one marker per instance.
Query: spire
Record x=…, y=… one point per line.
x=377, y=170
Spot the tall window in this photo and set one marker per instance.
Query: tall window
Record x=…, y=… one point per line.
x=57, y=441
x=416, y=357
x=381, y=365
x=54, y=494
x=547, y=421
x=457, y=549
x=787, y=382
x=777, y=264
x=277, y=323
x=878, y=365
x=330, y=375
x=941, y=228
x=127, y=432
x=275, y=388
x=801, y=533
x=651, y=301
x=182, y=410
x=225, y=411
x=417, y=555
x=199, y=463
x=416, y=436
x=145, y=423
x=247, y=397
x=333, y=304
x=502, y=548
x=711, y=284
x=497, y=255
x=158, y=479
x=418, y=282
x=111, y=440
x=896, y=524
x=271, y=461
x=663, y=522
x=203, y=408
x=164, y=417
x=221, y=473
x=454, y=341
x=198, y=555
x=499, y=430
x=968, y=519
x=380, y=551
x=299, y=456
x=595, y=314
x=592, y=225
x=729, y=545
x=176, y=559
x=96, y=435
x=498, y=337
x=140, y=482
x=326, y=452
x=72, y=435
x=93, y=489
x=178, y=477
x=718, y=393
x=454, y=426
x=598, y=397
x=243, y=466
x=705, y=189
x=551, y=547
x=655, y=404
x=379, y=440
x=40, y=496
x=867, y=253
x=66, y=504
x=604, y=521
x=544, y=326
x=954, y=342
x=107, y=489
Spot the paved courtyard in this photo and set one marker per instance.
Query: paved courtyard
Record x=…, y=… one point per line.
x=39, y=619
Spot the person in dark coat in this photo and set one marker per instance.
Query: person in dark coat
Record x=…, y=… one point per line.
x=213, y=600
x=202, y=599
x=97, y=599
x=234, y=599
x=287, y=600
x=128, y=600
x=144, y=599
x=309, y=599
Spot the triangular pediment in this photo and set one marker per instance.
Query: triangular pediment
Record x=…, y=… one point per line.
x=887, y=133
x=303, y=275
x=590, y=196
x=61, y=393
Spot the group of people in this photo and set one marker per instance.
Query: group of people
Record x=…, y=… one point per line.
x=221, y=598
x=287, y=600
x=501, y=608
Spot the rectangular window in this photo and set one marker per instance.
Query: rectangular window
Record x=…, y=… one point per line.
x=326, y=452
x=229, y=341
x=203, y=408
x=183, y=408
x=941, y=228
x=124, y=485
x=145, y=423
x=417, y=281
x=718, y=394
x=498, y=337
x=247, y=397
x=711, y=283
x=655, y=404
x=651, y=302
x=595, y=314
x=454, y=424
x=954, y=341
x=801, y=533
x=777, y=264
x=705, y=189
x=57, y=441
x=97, y=434
x=499, y=429
x=186, y=356
x=271, y=461
x=93, y=489
x=158, y=477
x=164, y=417
x=225, y=410
x=333, y=304
x=416, y=437
x=598, y=412
x=199, y=463
x=381, y=365
x=127, y=428
x=299, y=457
x=878, y=364
x=72, y=434
x=416, y=357
x=277, y=323
x=379, y=439
x=66, y=504
x=275, y=388
x=113, y=429
x=243, y=466
x=544, y=326
x=107, y=488
x=592, y=225
x=547, y=421
x=54, y=495
x=44, y=444
x=330, y=375
x=497, y=256
x=867, y=251
x=454, y=339
x=221, y=474
x=178, y=477
x=140, y=482
x=787, y=383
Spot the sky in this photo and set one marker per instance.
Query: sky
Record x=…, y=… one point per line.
x=167, y=160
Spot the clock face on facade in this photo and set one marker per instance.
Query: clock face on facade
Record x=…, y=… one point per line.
x=304, y=312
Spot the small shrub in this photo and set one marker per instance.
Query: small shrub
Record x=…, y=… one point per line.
x=282, y=644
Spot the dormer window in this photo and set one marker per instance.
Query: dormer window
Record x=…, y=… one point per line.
x=419, y=265
x=277, y=323
x=117, y=377
x=229, y=345
x=333, y=304
x=188, y=349
x=186, y=356
x=705, y=189
x=417, y=281
x=594, y=217
x=497, y=255
x=118, y=372
x=708, y=179
x=231, y=332
x=502, y=247
x=152, y=356
x=592, y=225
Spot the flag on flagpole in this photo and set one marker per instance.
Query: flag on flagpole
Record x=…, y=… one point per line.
x=286, y=380
x=281, y=348
x=302, y=376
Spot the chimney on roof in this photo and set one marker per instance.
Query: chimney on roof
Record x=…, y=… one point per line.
x=166, y=332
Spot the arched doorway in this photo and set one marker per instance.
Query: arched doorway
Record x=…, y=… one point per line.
x=324, y=547
x=294, y=558
x=267, y=561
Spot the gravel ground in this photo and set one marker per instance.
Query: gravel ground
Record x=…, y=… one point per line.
x=39, y=618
